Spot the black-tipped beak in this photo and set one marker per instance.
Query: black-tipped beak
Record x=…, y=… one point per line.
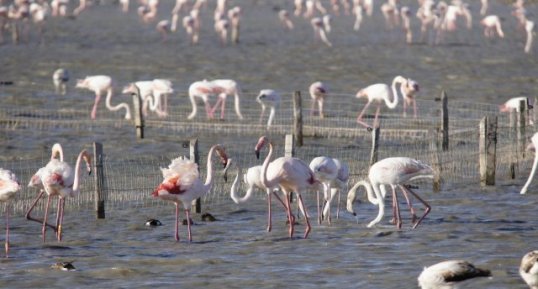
x=257, y=154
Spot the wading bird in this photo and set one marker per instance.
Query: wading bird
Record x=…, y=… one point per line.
x=60, y=77
x=532, y=147
x=182, y=183
x=318, y=93
x=101, y=84
x=449, y=274
x=268, y=97
x=529, y=269
x=220, y=88
x=9, y=186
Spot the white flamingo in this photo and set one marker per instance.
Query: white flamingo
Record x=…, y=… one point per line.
x=182, y=184
x=9, y=186
x=532, y=147
x=318, y=93
x=60, y=77
x=268, y=97
x=100, y=84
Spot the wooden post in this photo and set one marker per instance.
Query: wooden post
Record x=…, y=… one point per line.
x=297, y=118
x=195, y=156
x=289, y=151
x=521, y=127
x=436, y=161
x=513, y=144
x=375, y=145
x=487, y=150
x=99, y=177
x=534, y=118
x=139, y=117
x=444, y=119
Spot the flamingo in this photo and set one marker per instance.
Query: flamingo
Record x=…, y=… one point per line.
x=448, y=274
x=221, y=27
x=492, y=24
x=318, y=92
x=82, y=5
x=391, y=13
x=291, y=175
x=529, y=269
x=182, y=183
x=191, y=24
x=223, y=88
x=513, y=104
x=58, y=179
x=406, y=24
x=532, y=147
x=163, y=27
x=427, y=18
x=298, y=7
x=357, y=11
x=378, y=93
x=253, y=179
x=150, y=93
x=529, y=28
x=325, y=171
x=100, y=84
x=394, y=171
x=320, y=30
x=124, y=5
x=9, y=186
x=60, y=77
x=339, y=184
x=268, y=97
x=285, y=20
x=234, y=15
x=484, y=7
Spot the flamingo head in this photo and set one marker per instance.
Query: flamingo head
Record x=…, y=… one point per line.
x=362, y=93
x=221, y=153
x=81, y=83
x=412, y=85
x=261, y=142
x=129, y=88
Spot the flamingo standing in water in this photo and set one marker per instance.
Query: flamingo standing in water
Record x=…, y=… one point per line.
x=100, y=84
x=339, y=184
x=182, y=183
x=529, y=28
x=325, y=171
x=318, y=92
x=60, y=77
x=268, y=97
x=285, y=20
x=164, y=28
x=379, y=93
x=9, y=186
x=395, y=171
x=532, y=147
x=291, y=175
x=154, y=94
x=320, y=30
x=513, y=104
x=529, y=269
x=449, y=274
x=492, y=24
x=57, y=178
x=220, y=87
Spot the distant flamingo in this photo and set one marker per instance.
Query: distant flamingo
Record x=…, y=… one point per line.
x=484, y=7
x=223, y=88
x=163, y=27
x=268, y=97
x=298, y=7
x=253, y=179
x=391, y=13
x=453, y=12
x=58, y=179
x=285, y=20
x=394, y=171
x=191, y=24
x=124, y=5
x=180, y=4
x=154, y=94
x=529, y=269
x=221, y=27
x=291, y=175
x=492, y=24
x=9, y=186
x=100, y=84
x=405, y=12
x=379, y=93
x=449, y=274
x=428, y=19
x=82, y=5
x=234, y=15
x=325, y=171
x=182, y=184
x=60, y=77
x=320, y=31
x=357, y=11
x=512, y=105
x=318, y=93
x=532, y=147
x=529, y=28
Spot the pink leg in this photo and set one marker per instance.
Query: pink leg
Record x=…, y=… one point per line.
x=269, y=222
x=288, y=211
x=208, y=110
x=404, y=108
x=413, y=214
x=44, y=227
x=428, y=208
x=177, y=223
x=94, y=109
x=359, y=118
x=222, y=106
x=187, y=213
x=376, y=124
x=283, y=204
x=7, y=232
x=308, y=227
x=397, y=209
x=61, y=203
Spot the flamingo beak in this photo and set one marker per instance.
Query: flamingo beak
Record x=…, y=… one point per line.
x=531, y=147
x=257, y=154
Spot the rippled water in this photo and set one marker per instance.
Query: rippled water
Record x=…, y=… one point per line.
x=492, y=227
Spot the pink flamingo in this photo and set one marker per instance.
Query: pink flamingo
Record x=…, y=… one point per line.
x=449, y=274
x=100, y=84
x=153, y=94
x=391, y=13
x=163, y=27
x=492, y=24
x=320, y=30
x=339, y=184
x=427, y=17
x=82, y=5
x=58, y=179
x=406, y=24
x=513, y=105
x=529, y=269
x=357, y=11
x=60, y=77
x=325, y=171
x=221, y=27
x=220, y=87
x=394, y=171
x=291, y=175
x=59, y=7
x=285, y=20
x=318, y=93
x=191, y=23
x=529, y=28
x=253, y=180
x=298, y=7
x=532, y=147
x=379, y=93
x=182, y=184
x=9, y=186
x=268, y=97
x=234, y=15
x=124, y=5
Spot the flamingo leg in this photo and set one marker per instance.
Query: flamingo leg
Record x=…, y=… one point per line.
x=94, y=109
x=44, y=227
x=269, y=222
x=283, y=204
x=376, y=123
x=222, y=107
x=59, y=232
x=313, y=108
x=288, y=211
x=319, y=210
x=413, y=213
x=338, y=205
x=208, y=110
x=58, y=214
x=359, y=118
x=414, y=108
x=28, y=214
x=308, y=227
x=188, y=214
x=396, y=206
x=426, y=212
x=7, y=232
x=320, y=104
x=177, y=223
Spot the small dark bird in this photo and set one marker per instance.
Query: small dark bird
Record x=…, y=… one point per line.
x=185, y=222
x=153, y=223
x=64, y=266
x=207, y=217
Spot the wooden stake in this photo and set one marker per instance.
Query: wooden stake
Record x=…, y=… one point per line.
x=297, y=118
x=99, y=179
x=487, y=150
x=195, y=156
x=436, y=161
x=375, y=145
x=139, y=117
x=444, y=119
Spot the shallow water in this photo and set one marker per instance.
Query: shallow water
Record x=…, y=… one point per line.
x=493, y=227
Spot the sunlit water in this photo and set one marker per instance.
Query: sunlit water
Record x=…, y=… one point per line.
x=493, y=228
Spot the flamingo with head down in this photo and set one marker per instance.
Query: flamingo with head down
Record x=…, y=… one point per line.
x=101, y=84
x=268, y=97
x=182, y=183
x=219, y=87
x=318, y=93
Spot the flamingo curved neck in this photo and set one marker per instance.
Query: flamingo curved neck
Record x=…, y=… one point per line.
x=194, y=106
x=352, y=195
x=57, y=151
x=265, y=181
x=82, y=154
x=209, y=178
x=110, y=107
x=392, y=104
x=233, y=190
x=531, y=176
